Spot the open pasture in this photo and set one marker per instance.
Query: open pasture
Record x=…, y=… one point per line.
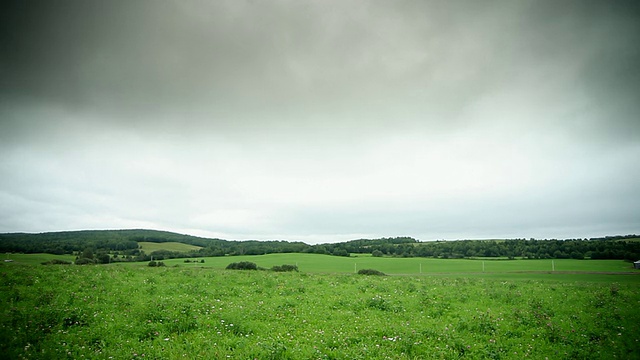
x=149, y=247
x=35, y=259
x=336, y=264
x=131, y=312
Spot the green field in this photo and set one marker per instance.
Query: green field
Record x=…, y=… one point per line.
x=149, y=247
x=337, y=264
x=134, y=311
x=36, y=259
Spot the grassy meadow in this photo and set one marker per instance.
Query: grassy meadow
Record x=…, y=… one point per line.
x=149, y=247
x=36, y=259
x=451, y=311
x=420, y=266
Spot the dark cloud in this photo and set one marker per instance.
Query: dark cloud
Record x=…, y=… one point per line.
x=312, y=108
x=240, y=62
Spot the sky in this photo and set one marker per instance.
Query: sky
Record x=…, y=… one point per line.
x=321, y=121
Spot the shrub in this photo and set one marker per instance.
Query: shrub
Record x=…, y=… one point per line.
x=84, y=261
x=371, y=272
x=156, y=263
x=243, y=265
x=56, y=262
x=103, y=258
x=376, y=253
x=284, y=268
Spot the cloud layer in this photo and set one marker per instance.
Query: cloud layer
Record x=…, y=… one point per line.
x=321, y=121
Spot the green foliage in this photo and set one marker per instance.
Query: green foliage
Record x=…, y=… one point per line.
x=67, y=242
x=84, y=261
x=134, y=244
x=340, y=252
x=127, y=242
x=243, y=265
x=371, y=272
x=618, y=247
x=103, y=258
x=56, y=262
x=154, y=263
x=284, y=268
x=87, y=254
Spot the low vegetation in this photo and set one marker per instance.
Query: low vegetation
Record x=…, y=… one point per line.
x=56, y=262
x=243, y=265
x=285, y=268
x=141, y=312
x=371, y=272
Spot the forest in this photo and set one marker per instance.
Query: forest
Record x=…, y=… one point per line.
x=123, y=245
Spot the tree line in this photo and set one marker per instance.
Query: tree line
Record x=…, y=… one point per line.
x=625, y=247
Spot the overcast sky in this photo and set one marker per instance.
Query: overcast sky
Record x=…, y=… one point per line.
x=321, y=121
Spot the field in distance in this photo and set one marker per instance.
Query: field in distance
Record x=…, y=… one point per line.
x=391, y=265
x=149, y=247
x=316, y=263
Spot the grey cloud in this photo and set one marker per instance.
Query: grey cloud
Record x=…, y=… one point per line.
x=228, y=64
x=200, y=104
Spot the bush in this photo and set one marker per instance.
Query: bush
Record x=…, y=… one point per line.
x=201, y=261
x=243, y=265
x=156, y=263
x=284, y=268
x=103, y=258
x=84, y=261
x=56, y=262
x=371, y=272
x=376, y=253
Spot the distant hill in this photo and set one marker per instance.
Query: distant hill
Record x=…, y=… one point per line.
x=66, y=242
x=140, y=244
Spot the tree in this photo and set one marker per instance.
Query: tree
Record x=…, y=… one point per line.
x=376, y=253
x=103, y=258
x=576, y=255
x=87, y=254
x=341, y=252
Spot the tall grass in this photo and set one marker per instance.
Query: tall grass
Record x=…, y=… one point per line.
x=102, y=312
